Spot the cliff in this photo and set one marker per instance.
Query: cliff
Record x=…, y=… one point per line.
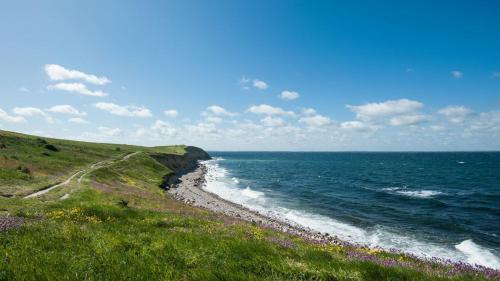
x=180, y=164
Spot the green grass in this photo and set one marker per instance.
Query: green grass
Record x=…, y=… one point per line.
x=47, y=167
x=94, y=235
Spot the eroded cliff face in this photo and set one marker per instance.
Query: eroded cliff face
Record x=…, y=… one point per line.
x=180, y=164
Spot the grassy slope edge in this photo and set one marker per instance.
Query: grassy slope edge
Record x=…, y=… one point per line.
x=117, y=224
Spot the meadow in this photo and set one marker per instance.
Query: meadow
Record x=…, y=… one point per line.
x=118, y=224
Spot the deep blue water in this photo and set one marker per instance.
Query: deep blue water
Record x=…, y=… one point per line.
x=429, y=204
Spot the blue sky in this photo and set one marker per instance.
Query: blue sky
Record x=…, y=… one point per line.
x=255, y=75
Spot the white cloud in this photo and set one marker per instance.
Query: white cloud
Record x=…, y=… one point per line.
x=66, y=109
x=171, y=113
x=308, y=111
x=127, y=110
x=455, y=113
x=4, y=116
x=457, y=74
x=289, y=95
x=58, y=73
x=406, y=120
x=259, y=84
x=437, y=128
x=23, y=89
x=269, y=121
x=269, y=110
x=32, y=111
x=164, y=129
x=202, y=130
x=213, y=119
x=357, y=126
x=388, y=108
x=487, y=121
x=244, y=81
x=77, y=88
x=113, y=132
x=218, y=110
x=78, y=120
x=315, y=121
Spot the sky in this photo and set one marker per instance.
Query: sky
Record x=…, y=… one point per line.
x=255, y=75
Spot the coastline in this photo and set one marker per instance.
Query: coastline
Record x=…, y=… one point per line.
x=189, y=191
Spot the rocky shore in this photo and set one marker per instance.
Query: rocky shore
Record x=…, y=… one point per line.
x=189, y=190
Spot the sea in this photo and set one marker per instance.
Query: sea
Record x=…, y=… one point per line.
x=430, y=204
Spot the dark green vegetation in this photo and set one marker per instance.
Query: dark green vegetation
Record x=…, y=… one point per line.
x=117, y=224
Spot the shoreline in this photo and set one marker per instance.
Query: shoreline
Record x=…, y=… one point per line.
x=189, y=191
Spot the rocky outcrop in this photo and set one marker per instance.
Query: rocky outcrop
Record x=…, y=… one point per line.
x=180, y=164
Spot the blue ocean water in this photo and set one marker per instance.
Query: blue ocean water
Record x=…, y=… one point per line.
x=443, y=205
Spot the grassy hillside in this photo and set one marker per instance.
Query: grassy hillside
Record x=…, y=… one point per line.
x=117, y=224
x=29, y=163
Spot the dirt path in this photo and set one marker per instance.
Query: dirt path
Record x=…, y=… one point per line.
x=82, y=174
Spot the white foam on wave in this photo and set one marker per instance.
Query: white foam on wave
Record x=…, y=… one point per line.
x=220, y=183
x=478, y=255
x=413, y=193
x=420, y=193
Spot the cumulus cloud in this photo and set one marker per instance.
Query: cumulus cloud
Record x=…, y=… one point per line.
x=163, y=128
x=289, y=95
x=455, y=113
x=437, y=128
x=270, y=121
x=32, y=111
x=218, y=110
x=457, y=74
x=358, y=126
x=265, y=109
x=213, y=119
x=487, y=121
x=171, y=113
x=4, y=116
x=259, y=84
x=78, y=120
x=77, y=88
x=308, y=111
x=127, y=110
x=112, y=132
x=315, y=120
x=66, y=109
x=202, y=130
x=58, y=73
x=405, y=120
x=388, y=108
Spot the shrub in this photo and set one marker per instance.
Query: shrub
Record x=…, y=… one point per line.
x=123, y=203
x=118, y=149
x=51, y=147
x=40, y=140
x=45, y=154
x=2, y=146
x=24, y=169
